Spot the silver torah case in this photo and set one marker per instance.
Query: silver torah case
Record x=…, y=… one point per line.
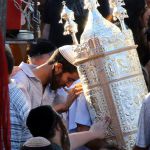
x=110, y=71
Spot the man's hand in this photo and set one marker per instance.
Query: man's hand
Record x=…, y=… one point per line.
x=73, y=94
x=99, y=128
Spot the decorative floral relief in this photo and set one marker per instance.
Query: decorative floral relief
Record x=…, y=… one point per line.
x=121, y=71
x=128, y=102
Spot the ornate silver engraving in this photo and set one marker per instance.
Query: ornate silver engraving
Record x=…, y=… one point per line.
x=110, y=72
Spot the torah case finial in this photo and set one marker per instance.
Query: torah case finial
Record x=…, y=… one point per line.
x=110, y=72
x=70, y=26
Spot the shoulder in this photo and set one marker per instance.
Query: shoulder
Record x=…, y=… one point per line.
x=16, y=95
x=143, y=134
x=23, y=76
x=20, y=76
x=14, y=89
x=22, y=81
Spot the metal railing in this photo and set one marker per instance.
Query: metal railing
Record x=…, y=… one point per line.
x=29, y=9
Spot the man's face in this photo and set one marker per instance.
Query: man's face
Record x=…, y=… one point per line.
x=63, y=79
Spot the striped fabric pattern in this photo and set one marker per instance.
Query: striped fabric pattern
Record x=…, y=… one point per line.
x=18, y=113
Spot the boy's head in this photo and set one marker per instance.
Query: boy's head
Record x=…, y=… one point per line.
x=43, y=121
x=40, y=52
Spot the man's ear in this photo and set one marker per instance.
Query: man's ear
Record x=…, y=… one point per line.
x=58, y=68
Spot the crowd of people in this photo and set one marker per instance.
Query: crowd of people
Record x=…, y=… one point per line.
x=48, y=110
x=24, y=90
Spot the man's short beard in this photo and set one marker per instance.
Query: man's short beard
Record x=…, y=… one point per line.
x=54, y=83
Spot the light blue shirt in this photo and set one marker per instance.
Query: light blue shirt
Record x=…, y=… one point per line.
x=78, y=112
x=19, y=110
x=143, y=135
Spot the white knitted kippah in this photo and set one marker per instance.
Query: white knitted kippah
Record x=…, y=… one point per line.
x=37, y=142
x=67, y=51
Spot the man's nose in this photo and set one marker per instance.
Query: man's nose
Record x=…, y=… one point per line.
x=68, y=84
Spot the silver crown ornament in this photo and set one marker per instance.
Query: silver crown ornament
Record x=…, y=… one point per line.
x=70, y=26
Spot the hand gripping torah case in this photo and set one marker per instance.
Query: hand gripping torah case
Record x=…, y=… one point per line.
x=112, y=79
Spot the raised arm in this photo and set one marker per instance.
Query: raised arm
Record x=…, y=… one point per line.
x=97, y=130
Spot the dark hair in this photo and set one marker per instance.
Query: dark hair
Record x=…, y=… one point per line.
x=134, y=9
x=42, y=46
x=43, y=121
x=9, y=59
x=58, y=58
